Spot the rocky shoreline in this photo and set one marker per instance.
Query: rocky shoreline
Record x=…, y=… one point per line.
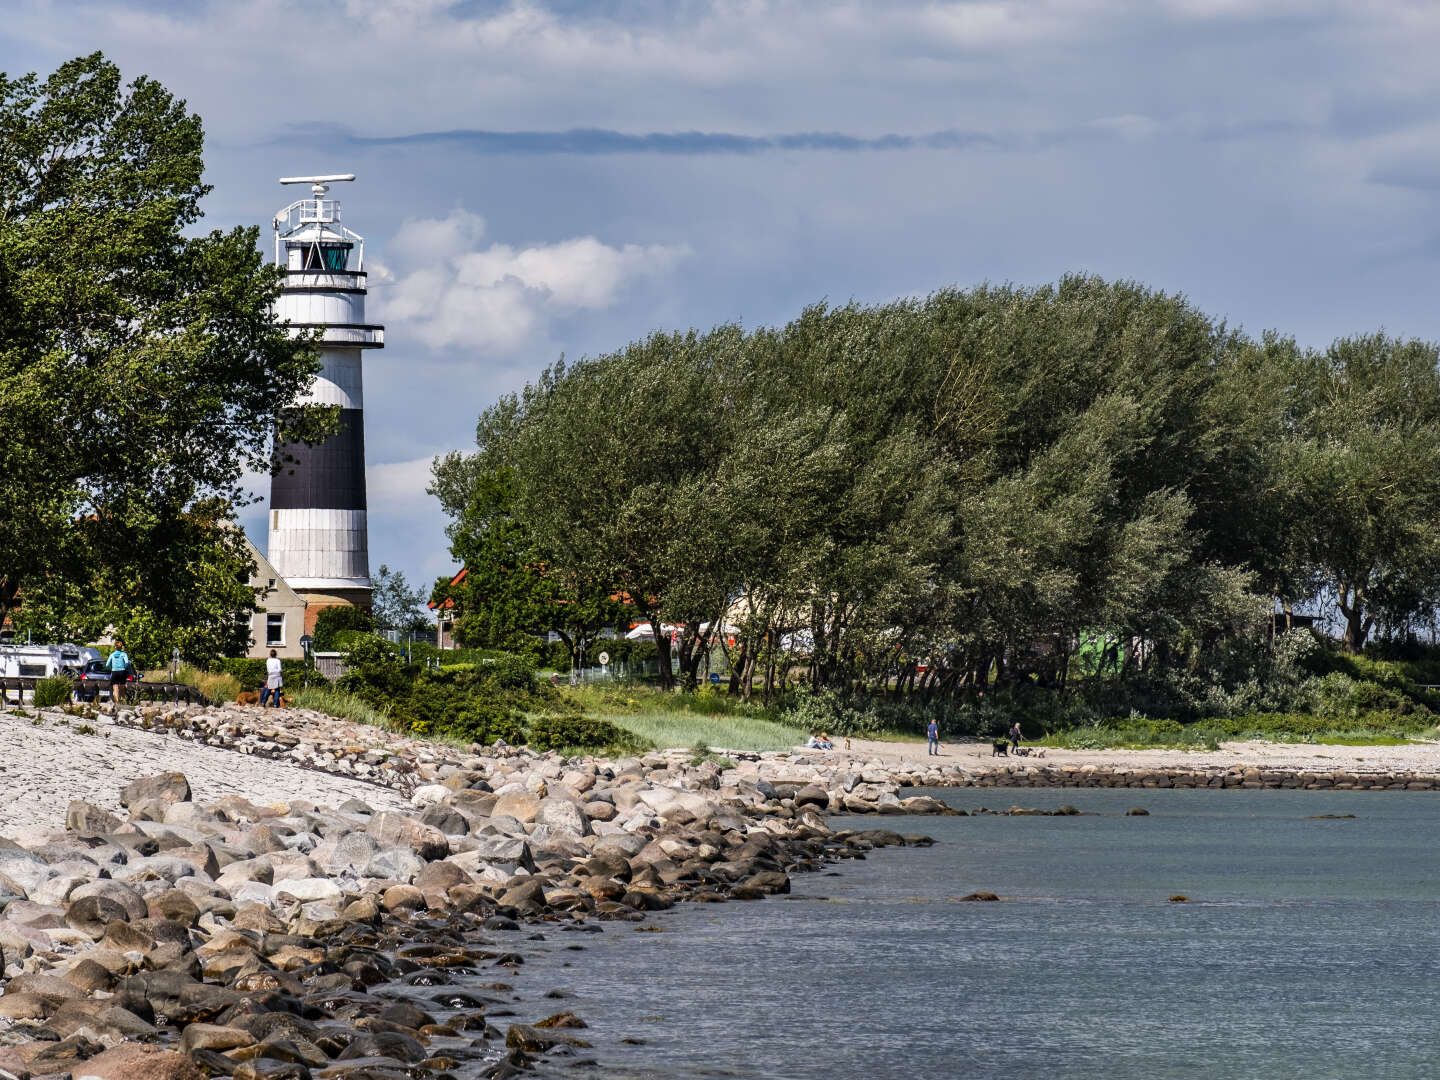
x=156, y=937
x=177, y=939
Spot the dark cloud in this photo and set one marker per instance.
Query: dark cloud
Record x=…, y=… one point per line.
x=595, y=141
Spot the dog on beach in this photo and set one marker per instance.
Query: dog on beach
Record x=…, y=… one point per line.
x=1029, y=751
x=1000, y=748
x=252, y=697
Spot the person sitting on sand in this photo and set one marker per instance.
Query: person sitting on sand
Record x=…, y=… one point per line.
x=820, y=742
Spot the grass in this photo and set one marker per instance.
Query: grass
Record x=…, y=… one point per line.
x=214, y=685
x=686, y=720
x=1141, y=733
x=668, y=729
x=339, y=704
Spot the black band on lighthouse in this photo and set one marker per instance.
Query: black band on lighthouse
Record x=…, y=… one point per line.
x=329, y=476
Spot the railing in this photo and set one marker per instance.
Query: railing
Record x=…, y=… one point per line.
x=364, y=336
x=19, y=685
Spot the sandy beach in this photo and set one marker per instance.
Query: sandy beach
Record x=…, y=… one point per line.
x=977, y=758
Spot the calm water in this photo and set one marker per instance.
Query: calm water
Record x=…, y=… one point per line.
x=1310, y=948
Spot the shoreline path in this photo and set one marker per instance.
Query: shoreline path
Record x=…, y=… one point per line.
x=44, y=766
x=975, y=757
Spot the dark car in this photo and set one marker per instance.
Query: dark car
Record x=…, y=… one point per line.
x=94, y=678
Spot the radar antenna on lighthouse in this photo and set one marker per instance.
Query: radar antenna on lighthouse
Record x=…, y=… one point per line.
x=318, y=520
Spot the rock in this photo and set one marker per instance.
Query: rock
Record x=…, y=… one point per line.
x=533, y=1040
x=92, y=914
x=124, y=895
x=403, y=897
x=526, y=894
x=136, y=1061
x=1137, y=811
x=171, y=787
x=87, y=819
x=982, y=896
x=394, y=864
x=558, y=812
x=214, y=1037
x=449, y=821
x=812, y=794
x=308, y=889
x=521, y=805
x=391, y=829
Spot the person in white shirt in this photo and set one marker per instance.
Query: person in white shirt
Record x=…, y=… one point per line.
x=273, y=681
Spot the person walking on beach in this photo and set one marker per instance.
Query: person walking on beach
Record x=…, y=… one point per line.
x=932, y=734
x=273, y=681
x=119, y=665
x=1015, y=736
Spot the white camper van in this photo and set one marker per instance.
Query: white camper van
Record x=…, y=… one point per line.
x=40, y=661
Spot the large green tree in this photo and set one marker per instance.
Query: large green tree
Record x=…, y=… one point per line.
x=141, y=369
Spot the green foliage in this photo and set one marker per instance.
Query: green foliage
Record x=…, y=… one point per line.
x=394, y=604
x=249, y=674
x=331, y=621
x=1141, y=732
x=216, y=686
x=53, y=691
x=339, y=704
x=151, y=346
x=551, y=732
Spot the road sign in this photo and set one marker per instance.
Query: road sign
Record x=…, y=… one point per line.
x=305, y=642
x=604, y=659
x=714, y=676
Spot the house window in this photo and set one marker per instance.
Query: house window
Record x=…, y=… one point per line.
x=275, y=629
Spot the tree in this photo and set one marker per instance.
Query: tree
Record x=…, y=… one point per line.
x=511, y=591
x=1362, y=462
x=141, y=369
x=395, y=605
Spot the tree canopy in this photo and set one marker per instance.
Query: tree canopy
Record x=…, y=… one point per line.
x=141, y=369
x=961, y=489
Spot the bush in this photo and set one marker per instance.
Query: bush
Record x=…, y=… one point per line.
x=509, y=672
x=332, y=620
x=548, y=732
x=55, y=690
x=483, y=721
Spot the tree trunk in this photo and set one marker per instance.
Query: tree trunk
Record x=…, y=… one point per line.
x=662, y=654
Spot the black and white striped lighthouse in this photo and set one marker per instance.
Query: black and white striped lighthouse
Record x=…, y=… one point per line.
x=318, y=532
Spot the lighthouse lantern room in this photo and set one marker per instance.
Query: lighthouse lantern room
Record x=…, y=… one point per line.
x=318, y=530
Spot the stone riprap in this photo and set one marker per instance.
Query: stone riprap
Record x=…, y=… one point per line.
x=49, y=758
x=158, y=936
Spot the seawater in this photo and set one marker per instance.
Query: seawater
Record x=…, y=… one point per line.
x=1308, y=948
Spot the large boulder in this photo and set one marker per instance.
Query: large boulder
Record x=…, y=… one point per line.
x=521, y=805
x=562, y=813
x=90, y=820
x=138, y=1061
x=170, y=787
x=391, y=829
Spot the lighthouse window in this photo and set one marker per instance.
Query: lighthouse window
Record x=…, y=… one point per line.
x=327, y=256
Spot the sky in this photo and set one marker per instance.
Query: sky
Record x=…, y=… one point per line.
x=539, y=179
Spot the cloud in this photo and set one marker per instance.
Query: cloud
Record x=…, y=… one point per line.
x=397, y=485
x=501, y=296
x=589, y=141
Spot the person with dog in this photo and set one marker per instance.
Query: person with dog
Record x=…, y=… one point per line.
x=932, y=736
x=273, y=682
x=119, y=665
x=1015, y=735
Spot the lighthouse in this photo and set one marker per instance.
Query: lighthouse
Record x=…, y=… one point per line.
x=318, y=532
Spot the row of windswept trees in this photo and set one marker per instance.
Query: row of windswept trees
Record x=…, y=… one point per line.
x=949, y=492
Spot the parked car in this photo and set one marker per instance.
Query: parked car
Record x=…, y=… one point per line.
x=94, y=679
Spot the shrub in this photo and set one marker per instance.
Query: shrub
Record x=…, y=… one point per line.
x=483, y=721
x=549, y=732
x=55, y=690
x=509, y=672
x=332, y=620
